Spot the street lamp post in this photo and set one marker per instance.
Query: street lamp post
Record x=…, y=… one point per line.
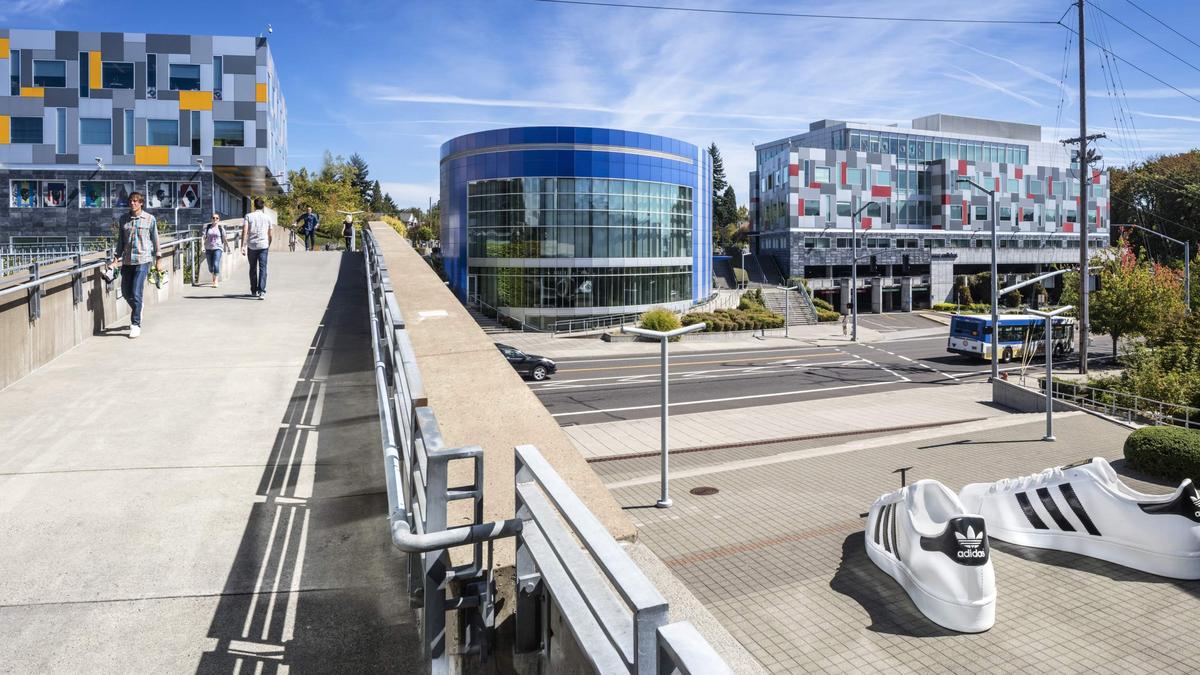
x=854, y=269
x=1047, y=318
x=995, y=280
x=664, y=337
x=787, y=301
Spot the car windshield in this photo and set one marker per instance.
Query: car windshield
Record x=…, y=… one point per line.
x=511, y=353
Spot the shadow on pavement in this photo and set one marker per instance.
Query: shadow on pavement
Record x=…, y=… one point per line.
x=316, y=585
x=890, y=608
x=1090, y=565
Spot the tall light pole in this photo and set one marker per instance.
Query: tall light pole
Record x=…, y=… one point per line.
x=664, y=499
x=854, y=269
x=995, y=279
x=1048, y=319
x=787, y=314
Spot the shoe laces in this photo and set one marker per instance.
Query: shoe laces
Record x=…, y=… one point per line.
x=1031, y=480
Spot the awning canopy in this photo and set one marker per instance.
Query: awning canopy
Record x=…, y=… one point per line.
x=249, y=180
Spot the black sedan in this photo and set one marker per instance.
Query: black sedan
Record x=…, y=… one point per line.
x=528, y=365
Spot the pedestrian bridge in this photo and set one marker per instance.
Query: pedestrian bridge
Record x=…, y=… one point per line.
x=253, y=485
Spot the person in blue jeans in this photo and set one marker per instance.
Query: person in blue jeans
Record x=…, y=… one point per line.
x=215, y=243
x=309, y=222
x=137, y=247
x=256, y=241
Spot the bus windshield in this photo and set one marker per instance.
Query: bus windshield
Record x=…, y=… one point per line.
x=963, y=326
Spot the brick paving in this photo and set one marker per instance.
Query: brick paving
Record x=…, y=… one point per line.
x=777, y=555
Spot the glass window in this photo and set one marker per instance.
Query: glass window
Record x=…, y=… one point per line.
x=821, y=174
x=812, y=207
x=84, y=72
x=195, y=128
x=162, y=132
x=1014, y=185
x=60, y=131
x=93, y=194
x=883, y=178
x=843, y=209
x=184, y=77
x=981, y=213
x=152, y=71
x=218, y=76
x=1005, y=213
x=160, y=194
x=854, y=177
x=118, y=193
x=116, y=75
x=1027, y=215
x=23, y=194
x=95, y=131
x=49, y=73
x=14, y=70
x=128, y=131
x=1035, y=186
x=25, y=130
x=54, y=193
x=956, y=211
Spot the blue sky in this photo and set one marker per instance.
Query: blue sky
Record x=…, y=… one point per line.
x=393, y=80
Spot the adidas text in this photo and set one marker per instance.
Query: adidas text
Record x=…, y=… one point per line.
x=975, y=553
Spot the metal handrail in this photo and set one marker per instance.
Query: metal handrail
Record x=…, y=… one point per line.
x=594, y=322
x=475, y=301
x=1145, y=409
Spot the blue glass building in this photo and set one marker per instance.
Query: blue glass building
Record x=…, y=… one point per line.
x=554, y=223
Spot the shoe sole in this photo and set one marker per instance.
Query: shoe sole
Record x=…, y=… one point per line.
x=973, y=618
x=1161, y=564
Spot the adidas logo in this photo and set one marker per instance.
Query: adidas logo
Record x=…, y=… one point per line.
x=1196, y=500
x=971, y=541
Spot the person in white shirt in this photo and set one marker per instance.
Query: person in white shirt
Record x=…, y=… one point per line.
x=256, y=241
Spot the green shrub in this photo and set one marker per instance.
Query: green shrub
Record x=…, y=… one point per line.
x=821, y=303
x=660, y=319
x=945, y=307
x=1166, y=452
x=1011, y=299
x=827, y=315
x=752, y=299
x=735, y=319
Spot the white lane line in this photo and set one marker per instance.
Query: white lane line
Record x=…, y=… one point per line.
x=680, y=357
x=889, y=372
x=901, y=356
x=691, y=374
x=722, y=400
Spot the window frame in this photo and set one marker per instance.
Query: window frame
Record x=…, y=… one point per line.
x=106, y=84
x=41, y=122
x=150, y=134
x=12, y=194
x=82, y=135
x=171, y=77
x=35, y=75
x=217, y=137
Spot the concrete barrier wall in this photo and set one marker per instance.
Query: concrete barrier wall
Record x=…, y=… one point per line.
x=27, y=344
x=1024, y=399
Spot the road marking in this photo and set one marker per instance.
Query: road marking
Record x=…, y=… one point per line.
x=890, y=372
x=688, y=363
x=722, y=400
x=679, y=355
x=680, y=375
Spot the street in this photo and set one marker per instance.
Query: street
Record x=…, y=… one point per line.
x=602, y=389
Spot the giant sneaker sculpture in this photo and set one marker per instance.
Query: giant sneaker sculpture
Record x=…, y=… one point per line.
x=1085, y=508
x=938, y=552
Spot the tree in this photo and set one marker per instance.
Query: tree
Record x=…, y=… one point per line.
x=357, y=166
x=389, y=206
x=725, y=209
x=1162, y=193
x=375, y=205
x=328, y=190
x=718, y=171
x=724, y=202
x=1135, y=297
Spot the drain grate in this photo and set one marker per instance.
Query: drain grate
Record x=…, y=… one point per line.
x=704, y=491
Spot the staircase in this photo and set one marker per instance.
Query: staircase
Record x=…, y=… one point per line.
x=489, y=325
x=723, y=274
x=763, y=270
x=799, y=312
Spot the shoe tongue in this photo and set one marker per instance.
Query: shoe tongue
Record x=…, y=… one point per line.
x=1100, y=468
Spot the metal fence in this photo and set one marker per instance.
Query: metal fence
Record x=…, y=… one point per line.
x=553, y=562
x=16, y=257
x=1126, y=406
x=594, y=322
x=506, y=319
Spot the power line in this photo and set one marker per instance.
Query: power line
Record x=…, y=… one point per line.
x=1105, y=50
x=1135, y=32
x=747, y=12
x=1165, y=25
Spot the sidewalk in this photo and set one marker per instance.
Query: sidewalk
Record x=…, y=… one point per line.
x=888, y=411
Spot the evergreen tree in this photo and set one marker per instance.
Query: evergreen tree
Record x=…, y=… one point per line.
x=389, y=206
x=725, y=210
x=375, y=205
x=718, y=172
x=359, y=176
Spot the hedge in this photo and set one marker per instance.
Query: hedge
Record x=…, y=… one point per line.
x=1166, y=452
x=974, y=308
x=822, y=303
x=827, y=315
x=660, y=319
x=734, y=319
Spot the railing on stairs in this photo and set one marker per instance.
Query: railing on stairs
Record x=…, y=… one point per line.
x=567, y=562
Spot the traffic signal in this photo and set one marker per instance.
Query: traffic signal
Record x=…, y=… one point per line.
x=904, y=263
x=874, y=265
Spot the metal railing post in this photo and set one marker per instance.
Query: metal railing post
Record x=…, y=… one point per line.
x=77, y=280
x=35, y=293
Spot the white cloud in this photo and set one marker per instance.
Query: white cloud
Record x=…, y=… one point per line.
x=1182, y=118
x=972, y=78
x=15, y=8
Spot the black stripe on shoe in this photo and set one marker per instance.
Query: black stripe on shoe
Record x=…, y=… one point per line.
x=1052, y=508
x=878, y=524
x=887, y=545
x=1034, y=519
x=895, y=544
x=1068, y=493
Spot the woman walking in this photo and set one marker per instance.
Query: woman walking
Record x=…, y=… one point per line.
x=215, y=243
x=348, y=231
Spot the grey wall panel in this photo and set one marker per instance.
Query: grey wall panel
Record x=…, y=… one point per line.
x=167, y=95
x=106, y=93
x=202, y=48
x=224, y=157
x=185, y=128
x=243, y=89
x=239, y=65
x=260, y=52
x=72, y=131
x=260, y=118
x=135, y=51
x=66, y=44
x=223, y=110
x=43, y=154
x=26, y=68
x=139, y=131
x=168, y=44
x=118, y=136
x=66, y=159
x=245, y=156
x=25, y=107
x=244, y=110
x=112, y=46
x=139, y=79
x=262, y=138
x=123, y=98
x=57, y=97
x=89, y=41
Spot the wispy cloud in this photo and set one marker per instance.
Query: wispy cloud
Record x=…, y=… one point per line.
x=972, y=78
x=1181, y=118
x=12, y=9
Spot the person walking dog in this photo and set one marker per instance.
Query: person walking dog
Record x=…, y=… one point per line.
x=256, y=242
x=137, y=247
x=215, y=243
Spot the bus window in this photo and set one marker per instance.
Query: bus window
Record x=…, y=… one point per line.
x=964, y=327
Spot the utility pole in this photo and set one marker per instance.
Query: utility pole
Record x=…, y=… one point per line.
x=1085, y=328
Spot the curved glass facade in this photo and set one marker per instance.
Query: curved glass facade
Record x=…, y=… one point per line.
x=562, y=222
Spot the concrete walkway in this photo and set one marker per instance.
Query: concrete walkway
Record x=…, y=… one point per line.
x=209, y=497
x=865, y=413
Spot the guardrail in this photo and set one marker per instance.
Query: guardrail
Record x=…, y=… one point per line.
x=1123, y=405
x=509, y=321
x=594, y=322
x=553, y=567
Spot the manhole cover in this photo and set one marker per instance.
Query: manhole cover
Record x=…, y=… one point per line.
x=704, y=491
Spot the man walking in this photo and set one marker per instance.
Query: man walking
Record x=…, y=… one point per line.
x=308, y=222
x=137, y=247
x=256, y=241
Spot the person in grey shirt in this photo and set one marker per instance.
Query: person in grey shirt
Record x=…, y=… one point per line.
x=256, y=241
x=137, y=247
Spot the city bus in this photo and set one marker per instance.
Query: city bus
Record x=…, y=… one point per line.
x=971, y=335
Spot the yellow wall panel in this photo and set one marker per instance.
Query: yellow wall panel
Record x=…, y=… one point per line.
x=4, y=53
x=5, y=131
x=150, y=154
x=261, y=93
x=33, y=91
x=94, y=70
x=195, y=100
